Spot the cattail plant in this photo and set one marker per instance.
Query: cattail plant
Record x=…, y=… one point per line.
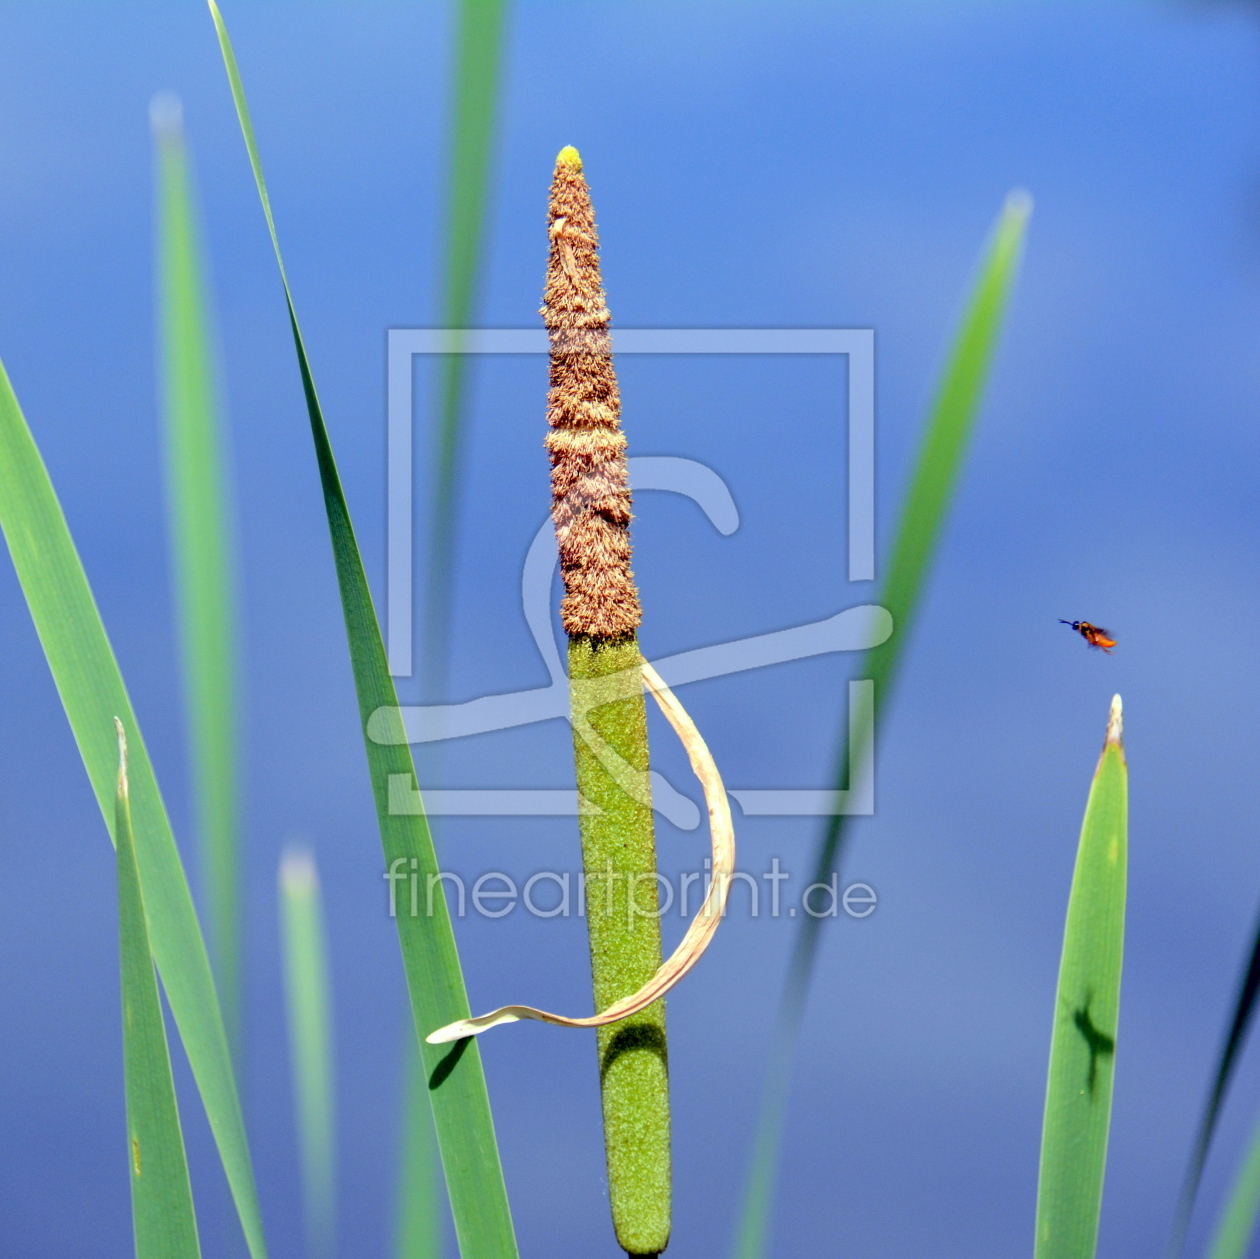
x=601, y=614
x=607, y=674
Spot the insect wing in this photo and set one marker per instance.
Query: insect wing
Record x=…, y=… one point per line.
x=1096, y=636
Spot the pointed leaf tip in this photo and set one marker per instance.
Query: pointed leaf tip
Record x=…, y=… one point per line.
x=122, y=756
x=1019, y=201
x=1115, y=723
x=569, y=156
x=298, y=874
x=166, y=116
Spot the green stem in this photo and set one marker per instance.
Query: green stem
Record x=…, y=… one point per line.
x=622, y=907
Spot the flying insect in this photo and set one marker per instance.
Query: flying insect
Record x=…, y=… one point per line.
x=1094, y=635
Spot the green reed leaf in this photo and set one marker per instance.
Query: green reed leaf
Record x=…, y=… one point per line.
x=1086, y=1013
x=308, y=1001
x=162, y=1212
x=93, y=694
x=418, y=1217
x=474, y=101
x=923, y=514
x=479, y=53
x=1237, y=1224
x=202, y=548
x=1245, y=1003
x=457, y=1089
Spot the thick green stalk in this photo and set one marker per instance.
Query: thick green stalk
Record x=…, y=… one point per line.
x=590, y=507
x=619, y=859
x=1086, y=1013
x=201, y=549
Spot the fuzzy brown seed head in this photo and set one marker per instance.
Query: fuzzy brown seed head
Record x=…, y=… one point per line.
x=590, y=486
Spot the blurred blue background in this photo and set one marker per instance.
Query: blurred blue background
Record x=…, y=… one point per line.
x=759, y=164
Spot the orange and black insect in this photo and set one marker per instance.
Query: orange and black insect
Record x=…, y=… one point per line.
x=1094, y=635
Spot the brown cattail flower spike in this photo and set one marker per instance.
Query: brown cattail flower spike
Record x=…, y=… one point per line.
x=589, y=484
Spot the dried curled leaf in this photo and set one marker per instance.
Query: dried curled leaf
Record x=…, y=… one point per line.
x=703, y=925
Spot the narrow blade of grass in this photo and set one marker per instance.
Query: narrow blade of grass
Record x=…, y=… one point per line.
x=474, y=99
x=308, y=1002
x=1231, y=1047
x=923, y=514
x=1086, y=1012
x=1237, y=1225
x=457, y=1088
x=202, y=549
x=162, y=1212
x=419, y=1218
x=476, y=91
x=92, y=692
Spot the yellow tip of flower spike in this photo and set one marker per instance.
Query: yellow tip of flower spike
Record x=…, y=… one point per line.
x=569, y=156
